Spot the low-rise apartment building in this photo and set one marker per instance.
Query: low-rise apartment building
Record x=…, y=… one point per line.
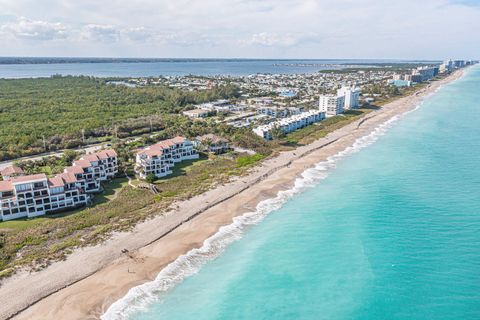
x=35, y=195
x=160, y=158
x=197, y=113
x=212, y=143
x=290, y=124
x=278, y=112
x=94, y=168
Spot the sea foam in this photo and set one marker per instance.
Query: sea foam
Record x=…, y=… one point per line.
x=140, y=297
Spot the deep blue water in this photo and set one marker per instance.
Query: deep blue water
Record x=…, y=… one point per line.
x=393, y=232
x=176, y=67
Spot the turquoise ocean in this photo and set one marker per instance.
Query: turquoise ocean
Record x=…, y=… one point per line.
x=387, y=229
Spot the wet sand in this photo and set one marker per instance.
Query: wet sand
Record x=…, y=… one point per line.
x=91, y=279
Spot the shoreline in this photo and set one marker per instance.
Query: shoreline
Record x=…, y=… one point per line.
x=73, y=289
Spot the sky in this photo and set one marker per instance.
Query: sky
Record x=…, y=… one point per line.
x=357, y=29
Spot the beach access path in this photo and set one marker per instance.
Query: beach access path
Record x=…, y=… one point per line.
x=92, y=278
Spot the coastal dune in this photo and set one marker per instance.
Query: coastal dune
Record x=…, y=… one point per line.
x=86, y=284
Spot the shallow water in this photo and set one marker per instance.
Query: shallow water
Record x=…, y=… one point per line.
x=177, y=67
x=393, y=232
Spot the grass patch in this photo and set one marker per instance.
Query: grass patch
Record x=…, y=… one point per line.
x=110, y=191
x=36, y=242
x=249, y=160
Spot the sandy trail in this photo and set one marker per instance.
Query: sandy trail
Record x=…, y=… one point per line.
x=92, y=278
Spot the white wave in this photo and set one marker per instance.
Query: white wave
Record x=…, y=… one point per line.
x=140, y=297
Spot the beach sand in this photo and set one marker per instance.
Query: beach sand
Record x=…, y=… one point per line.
x=92, y=278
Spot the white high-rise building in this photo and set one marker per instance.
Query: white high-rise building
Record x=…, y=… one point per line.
x=352, y=97
x=331, y=104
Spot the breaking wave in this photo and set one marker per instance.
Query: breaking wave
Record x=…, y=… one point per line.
x=140, y=297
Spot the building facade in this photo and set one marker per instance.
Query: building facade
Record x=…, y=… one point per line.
x=289, y=124
x=351, y=97
x=212, y=143
x=197, y=113
x=160, y=158
x=27, y=196
x=331, y=104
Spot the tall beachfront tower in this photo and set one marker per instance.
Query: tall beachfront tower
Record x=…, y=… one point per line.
x=352, y=97
x=331, y=104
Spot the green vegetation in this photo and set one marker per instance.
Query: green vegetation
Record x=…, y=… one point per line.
x=65, y=112
x=36, y=242
x=249, y=160
x=49, y=165
x=195, y=177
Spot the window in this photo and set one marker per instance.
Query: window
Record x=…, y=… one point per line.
x=38, y=185
x=22, y=187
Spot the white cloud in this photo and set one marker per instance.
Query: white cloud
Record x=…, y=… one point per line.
x=35, y=29
x=137, y=34
x=275, y=39
x=100, y=33
x=246, y=28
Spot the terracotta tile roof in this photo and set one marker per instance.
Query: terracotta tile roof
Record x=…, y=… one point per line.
x=11, y=170
x=33, y=177
x=157, y=148
x=6, y=186
x=69, y=177
x=90, y=157
x=102, y=155
x=111, y=152
x=213, y=138
x=56, y=181
x=153, y=152
x=179, y=139
x=82, y=163
x=73, y=169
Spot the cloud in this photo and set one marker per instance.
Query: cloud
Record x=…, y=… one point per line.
x=244, y=28
x=24, y=28
x=100, y=33
x=274, y=39
x=137, y=34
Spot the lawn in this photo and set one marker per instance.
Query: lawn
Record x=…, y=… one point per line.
x=110, y=191
x=195, y=177
x=36, y=242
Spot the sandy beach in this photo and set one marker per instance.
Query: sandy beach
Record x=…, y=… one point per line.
x=92, y=278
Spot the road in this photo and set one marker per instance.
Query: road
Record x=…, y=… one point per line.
x=87, y=149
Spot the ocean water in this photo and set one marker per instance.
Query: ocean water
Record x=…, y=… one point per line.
x=387, y=229
x=178, y=67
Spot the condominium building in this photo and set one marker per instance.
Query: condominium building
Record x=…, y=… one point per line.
x=426, y=73
x=351, y=97
x=11, y=172
x=290, y=124
x=212, y=143
x=91, y=169
x=34, y=195
x=278, y=112
x=160, y=158
x=331, y=104
x=197, y=113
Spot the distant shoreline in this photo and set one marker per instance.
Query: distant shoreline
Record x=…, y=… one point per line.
x=91, y=279
x=76, y=60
